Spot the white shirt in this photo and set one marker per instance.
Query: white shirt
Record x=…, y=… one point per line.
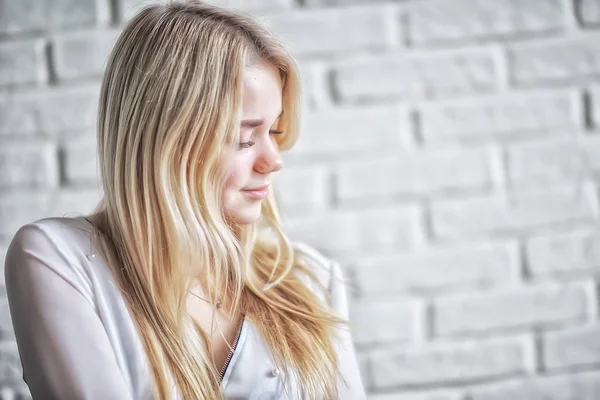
x=76, y=338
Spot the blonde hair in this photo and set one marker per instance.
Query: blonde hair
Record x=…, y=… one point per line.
x=170, y=105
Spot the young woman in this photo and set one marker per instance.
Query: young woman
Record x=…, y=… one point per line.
x=181, y=284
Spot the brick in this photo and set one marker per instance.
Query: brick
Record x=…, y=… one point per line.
x=521, y=114
x=588, y=11
x=562, y=254
x=19, y=208
x=574, y=347
x=439, y=394
x=10, y=362
x=544, y=163
x=7, y=393
x=594, y=92
x=364, y=369
x=520, y=211
x=589, y=146
x=254, y=5
x=449, y=362
x=22, y=63
x=416, y=75
x=6, y=327
x=49, y=112
x=16, y=391
x=329, y=3
x=357, y=232
x=73, y=202
x=316, y=87
x=413, y=173
x=32, y=15
x=324, y=31
x=3, y=249
x=377, y=321
x=438, y=269
x=584, y=386
x=82, y=54
x=28, y=165
x=459, y=20
x=352, y=130
x=129, y=8
x=303, y=189
x=81, y=162
x=511, y=308
x=555, y=60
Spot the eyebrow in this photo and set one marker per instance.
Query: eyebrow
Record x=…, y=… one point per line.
x=253, y=123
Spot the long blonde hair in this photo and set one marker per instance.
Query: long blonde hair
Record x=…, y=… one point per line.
x=170, y=105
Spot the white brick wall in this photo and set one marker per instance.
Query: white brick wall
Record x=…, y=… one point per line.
x=417, y=75
x=82, y=54
x=576, y=347
x=469, y=20
x=555, y=60
x=49, y=111
x=511, y=308
x=437, y=270
x=580, y=385
x=21, y=62
x=563, y=254
x=445, y=363
x=500, y=116
x=449, y=159
x=327, y=31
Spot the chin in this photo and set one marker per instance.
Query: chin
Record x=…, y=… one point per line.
x=246, y=217
x=245, y=220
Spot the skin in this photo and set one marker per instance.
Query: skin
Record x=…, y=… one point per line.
x=252, y=164
x=249, y=166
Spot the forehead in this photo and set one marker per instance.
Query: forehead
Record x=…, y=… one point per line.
x=262, y=92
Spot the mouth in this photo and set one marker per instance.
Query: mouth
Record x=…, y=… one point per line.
x=259, y=192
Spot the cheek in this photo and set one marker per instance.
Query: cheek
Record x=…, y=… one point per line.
x=238, y=175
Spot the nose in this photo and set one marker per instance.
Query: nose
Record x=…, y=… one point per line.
x=269, y=159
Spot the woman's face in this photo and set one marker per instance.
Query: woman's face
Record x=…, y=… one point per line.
x=257, y=156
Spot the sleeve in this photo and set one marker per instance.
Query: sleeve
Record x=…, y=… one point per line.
x=353, y=388
x=64, y=349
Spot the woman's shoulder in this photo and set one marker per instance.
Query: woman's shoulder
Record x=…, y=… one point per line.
x=324, y=268
x=72, y=233
x=58, y=243
x=330, y=285
x=313, y=258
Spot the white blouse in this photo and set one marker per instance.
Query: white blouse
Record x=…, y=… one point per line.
x=76, y=338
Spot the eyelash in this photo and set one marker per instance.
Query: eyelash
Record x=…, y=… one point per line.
x=250, y=143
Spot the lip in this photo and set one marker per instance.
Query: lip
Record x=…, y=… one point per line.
x=259, y=192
